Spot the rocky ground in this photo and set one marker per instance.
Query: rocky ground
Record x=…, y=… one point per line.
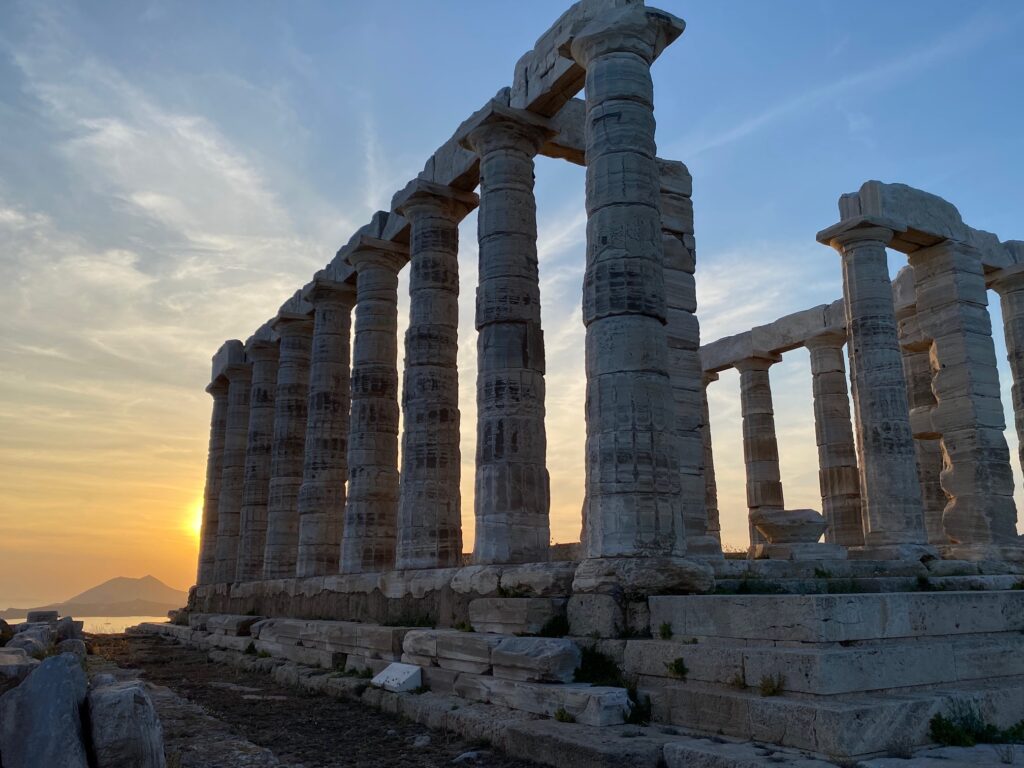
x=216, y=715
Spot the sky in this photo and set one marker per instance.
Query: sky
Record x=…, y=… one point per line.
x=171, y=172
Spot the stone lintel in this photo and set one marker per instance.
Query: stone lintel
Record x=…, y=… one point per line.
x=634, y=29
x=296, y=305
x=420, y=190
x=1008, y=278
x=674, y=177
x=231, y=352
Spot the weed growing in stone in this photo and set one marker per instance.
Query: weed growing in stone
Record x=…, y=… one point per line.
x=598, y=668
x=677, y=668
x=964, y=726
x=665, y=631
x=564, y=717
x=772, y=685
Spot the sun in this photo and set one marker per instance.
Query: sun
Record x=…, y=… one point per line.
x=193, y=522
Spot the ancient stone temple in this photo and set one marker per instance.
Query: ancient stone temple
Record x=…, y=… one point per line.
x=839, y=631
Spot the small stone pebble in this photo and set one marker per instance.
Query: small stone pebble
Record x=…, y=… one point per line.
x=421, y=741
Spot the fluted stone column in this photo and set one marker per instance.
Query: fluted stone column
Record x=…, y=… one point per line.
x=290, y=412
x=229, y=506
x=218, y=389
x=952, y=309
x=321, y=503
x=252, y=536
x=714, y=526
x=917, y=370
x=760, y=446
x=1009, y=284
x=371, y=512
x=633, y=504
x=512, y=496
x=429, y=508
x=837, y=452
x=893, y=519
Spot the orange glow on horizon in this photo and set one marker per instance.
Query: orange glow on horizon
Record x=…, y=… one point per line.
x=193, y=523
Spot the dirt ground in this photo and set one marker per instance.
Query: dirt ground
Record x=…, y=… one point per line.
x=216, y=715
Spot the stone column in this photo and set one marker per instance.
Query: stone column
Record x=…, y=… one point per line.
x=714, y=526
x=760, y=447
x=837, y=451
x=512, y=496
x=952, y=310
x=917, y=370
x=1009, y=284
x=633, y=504
x=229, y=506
x=252, y=537
x=371, y=513
x=429, y=507
x=218, y=389
x=290, y=412
x=321, y=502
x=893, y=519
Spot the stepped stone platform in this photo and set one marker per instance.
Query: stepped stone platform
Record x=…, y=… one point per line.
x=837, y=676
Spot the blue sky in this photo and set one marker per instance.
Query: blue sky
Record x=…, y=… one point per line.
x=170, y=173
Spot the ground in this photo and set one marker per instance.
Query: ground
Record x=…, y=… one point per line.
x=215, y=715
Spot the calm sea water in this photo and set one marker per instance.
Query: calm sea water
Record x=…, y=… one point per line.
x=114, y=625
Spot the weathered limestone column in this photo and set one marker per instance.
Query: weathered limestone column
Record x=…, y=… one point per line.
x=512, y=498
x=1009, y=284
x=893, y=519
x=371, y=512
x=952, y=310
x=290, y=411
x=917, y=370
x=429, y=507
x=684, y=366
x=837, y=452
x=218, y=389
x=321, y=502
x=714, y=526
x=229, y=506
x=760, y=446
x=252, y=536
x=633, y=504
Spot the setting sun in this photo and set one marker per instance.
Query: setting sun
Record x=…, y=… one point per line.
x=194, y=520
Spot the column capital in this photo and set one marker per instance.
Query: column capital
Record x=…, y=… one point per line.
x=238, y=371
x=326, y=291
x=496, y=127
x=421, y=196
x=218, y=387
x=259, y=350
x=874, y=229
x=292, y=324
x=1006, y=280
x=759, y=361
x=709, y=377
x=370, y=251
x=633, y=29
x=827, y=340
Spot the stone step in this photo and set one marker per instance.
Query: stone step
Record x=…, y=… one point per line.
x=838, y=727
x=586, y=704
x=832, y=669
x=864, y=584
x=837, y=618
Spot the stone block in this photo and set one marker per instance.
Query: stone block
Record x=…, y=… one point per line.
x=638, y=577
x=398, y=678
x=15, y=666
x=466, y=651
x=589, y=705
x=596, y=616
x=226, y=624
x=45, y=617
x=125, y=727
x=536, y=659
x=422, y=643
x=552, y=579
x=514, y=615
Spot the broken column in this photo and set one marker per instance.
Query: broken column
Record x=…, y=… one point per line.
x=218, y=389
x=512, y=496
x=760, y=445
x=893, y=519
x=684, y=367
x=252, y=534
x=952, y=311
x=229, y=506
x=633, y=505
x=429, y=508
x=371, y=511
x=295, y=330
x=321, y=501
x=837, y=453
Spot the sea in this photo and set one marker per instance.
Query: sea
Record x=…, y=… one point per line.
x=114, y=625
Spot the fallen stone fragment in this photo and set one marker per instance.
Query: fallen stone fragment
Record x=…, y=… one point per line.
x=39, y=720
x=73, y=646
x=125, y=727
x=536, y=659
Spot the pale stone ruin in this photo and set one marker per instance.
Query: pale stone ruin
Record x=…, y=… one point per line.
x=332, y=540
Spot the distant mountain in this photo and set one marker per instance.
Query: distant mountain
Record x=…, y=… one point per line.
x=121, y=596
